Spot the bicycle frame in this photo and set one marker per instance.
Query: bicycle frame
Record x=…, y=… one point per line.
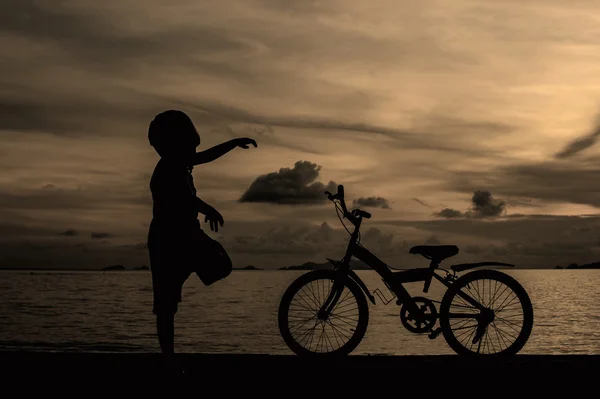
x=393, y=280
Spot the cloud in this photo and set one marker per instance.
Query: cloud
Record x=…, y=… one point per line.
x=99, y=235
x=433, y=240
x=116, y=192
x=314, y=77
x=379, y=202
x=374, y=236
x=483, y=206
x=69, y=233
x=546, y=181
x=580, y=144
x=524, y=240
x=323, y=234
x=76, y=40
x=449, y=213
x=291, y=186
x=417, y=200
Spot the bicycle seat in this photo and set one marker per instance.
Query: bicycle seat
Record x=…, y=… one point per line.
x=436, y=252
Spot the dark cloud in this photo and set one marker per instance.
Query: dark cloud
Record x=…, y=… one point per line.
x=552, y=181
x=69, y=233
x=473, y=249
x=302, y=243
x=527, y=241
x=580, y=144
x=292, y=186
x=99, y=235
x=522, y=202
x=86, y=40
x=91, y=196
x=74, y=116
x=91, y=38
x=378, y=202
x=483, y=206
x=375, y=237
x=421, y=202
x=433, y=240
x=449, y=213
x=20, y=228
x=323, y=234
x=412, y=138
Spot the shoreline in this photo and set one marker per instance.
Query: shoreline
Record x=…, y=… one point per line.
x=247, y=270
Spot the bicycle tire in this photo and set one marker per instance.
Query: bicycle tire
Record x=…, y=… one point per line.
x=497, y=276
x=295, y=287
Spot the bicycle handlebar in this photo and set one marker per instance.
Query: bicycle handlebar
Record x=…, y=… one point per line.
x=349, y=215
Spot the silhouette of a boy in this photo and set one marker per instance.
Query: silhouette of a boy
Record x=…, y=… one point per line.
x=175, y=213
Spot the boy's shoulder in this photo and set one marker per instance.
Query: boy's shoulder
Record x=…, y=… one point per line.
x=168, y=168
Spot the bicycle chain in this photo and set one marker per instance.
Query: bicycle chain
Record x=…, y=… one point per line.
x=458, y=306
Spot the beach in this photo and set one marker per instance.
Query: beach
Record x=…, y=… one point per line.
x=110, y=366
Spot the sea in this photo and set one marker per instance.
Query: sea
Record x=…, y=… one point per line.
x=96, y=311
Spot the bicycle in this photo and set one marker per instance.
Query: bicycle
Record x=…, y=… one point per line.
x=417, y=314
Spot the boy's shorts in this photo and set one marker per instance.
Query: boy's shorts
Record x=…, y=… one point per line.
x=171, y=257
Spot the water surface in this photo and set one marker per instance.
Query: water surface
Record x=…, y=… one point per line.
x=112, y=311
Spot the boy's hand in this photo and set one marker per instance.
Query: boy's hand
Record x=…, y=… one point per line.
x=214, y=218
x=244, y=142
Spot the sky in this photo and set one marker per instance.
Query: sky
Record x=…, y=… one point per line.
x=469, y=123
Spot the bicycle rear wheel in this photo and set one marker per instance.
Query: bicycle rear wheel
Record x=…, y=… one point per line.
x=502, y=328
x=305, y=333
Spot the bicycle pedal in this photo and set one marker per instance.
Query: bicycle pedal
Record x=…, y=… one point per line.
x=434, y=334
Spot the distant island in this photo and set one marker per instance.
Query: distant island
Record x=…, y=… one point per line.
x=595, y=265
x=249, y=267
x=144, y=267
x=121, y=267
x=356, y=265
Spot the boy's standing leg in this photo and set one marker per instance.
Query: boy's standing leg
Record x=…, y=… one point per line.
x=165, y=310
x=167, y=283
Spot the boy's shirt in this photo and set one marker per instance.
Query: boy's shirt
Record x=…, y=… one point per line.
x=173, y=194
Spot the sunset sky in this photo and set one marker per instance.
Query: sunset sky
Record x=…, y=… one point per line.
x=453, y=122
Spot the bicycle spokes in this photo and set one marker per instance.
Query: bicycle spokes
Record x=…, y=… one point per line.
x=492, y=329
x=320, y=331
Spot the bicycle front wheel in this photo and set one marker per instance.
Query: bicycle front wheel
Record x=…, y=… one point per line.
x=307, y=334
x=502, y=327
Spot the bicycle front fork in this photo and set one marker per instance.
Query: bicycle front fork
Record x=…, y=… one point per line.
x=334, y=295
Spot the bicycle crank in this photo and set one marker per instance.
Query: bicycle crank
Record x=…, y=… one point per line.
x=422, y=322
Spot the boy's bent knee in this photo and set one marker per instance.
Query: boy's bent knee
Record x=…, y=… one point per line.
x=166, y=310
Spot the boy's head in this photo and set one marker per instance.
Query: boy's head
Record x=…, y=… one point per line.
x=172, y=132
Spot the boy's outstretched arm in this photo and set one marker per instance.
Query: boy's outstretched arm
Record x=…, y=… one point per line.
x=221, y=149
x=212, y=215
